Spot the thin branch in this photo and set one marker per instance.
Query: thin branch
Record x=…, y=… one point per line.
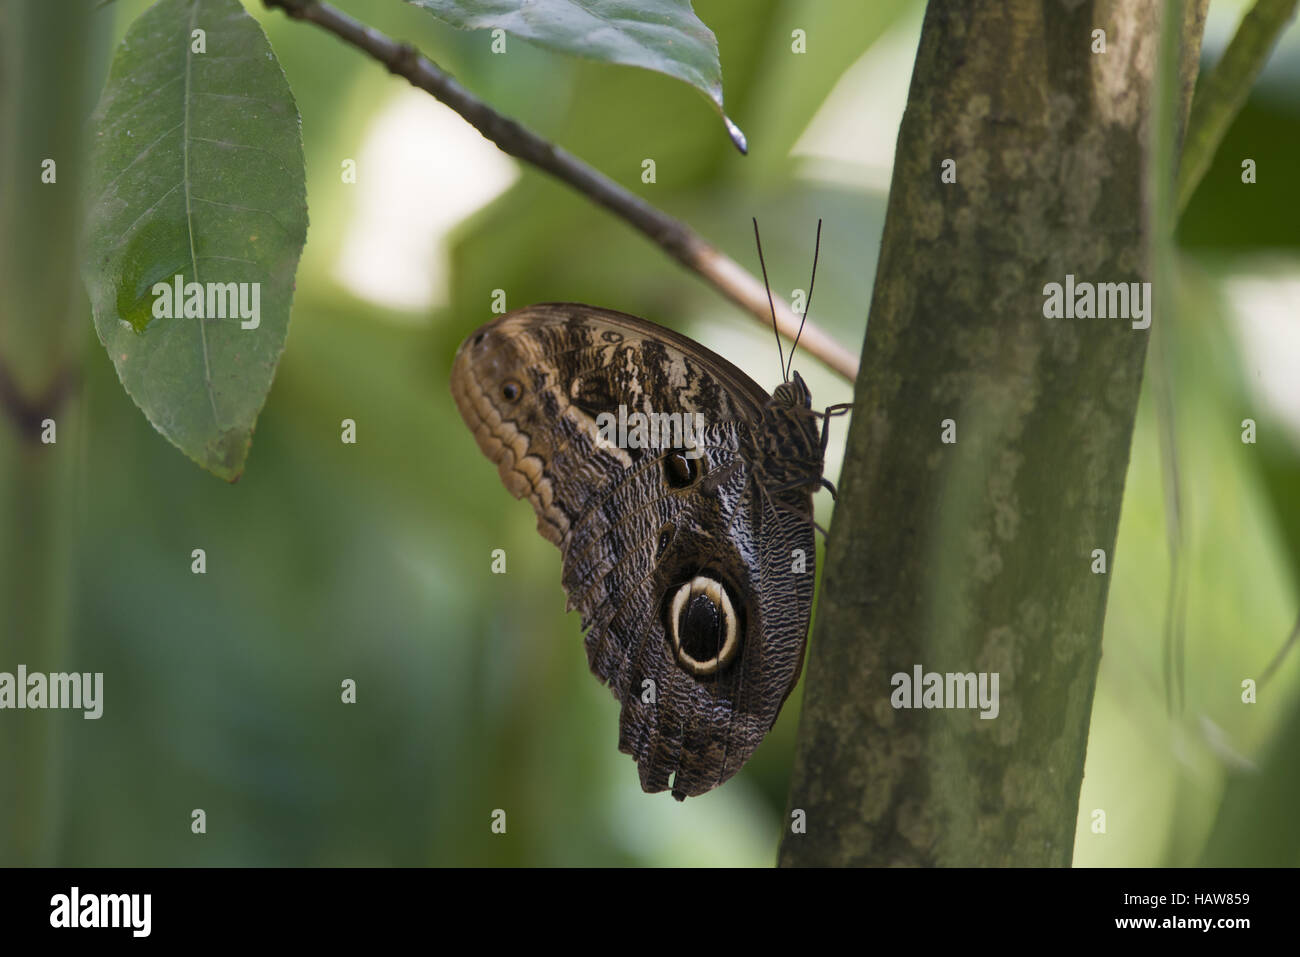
x=1216, y=104
x=674, y=237
x=1224, y=91
x=1168, y=106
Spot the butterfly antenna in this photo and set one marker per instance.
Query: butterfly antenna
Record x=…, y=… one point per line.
x=807, y=304
x=770, y=305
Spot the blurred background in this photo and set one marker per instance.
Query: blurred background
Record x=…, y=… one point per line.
x=372, y=561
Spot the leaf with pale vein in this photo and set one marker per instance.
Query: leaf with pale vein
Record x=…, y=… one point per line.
x=196, y=169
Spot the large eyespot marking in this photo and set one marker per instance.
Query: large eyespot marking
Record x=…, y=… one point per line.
x=703, y=626
x=679, y=471
x=511, y=390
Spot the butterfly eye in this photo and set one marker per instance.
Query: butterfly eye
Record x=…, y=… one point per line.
x=511, y=390
x=679, y=471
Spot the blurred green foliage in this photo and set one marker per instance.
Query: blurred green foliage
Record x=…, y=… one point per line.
x=371, y=562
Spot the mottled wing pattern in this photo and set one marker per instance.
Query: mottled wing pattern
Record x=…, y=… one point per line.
x=531, y=385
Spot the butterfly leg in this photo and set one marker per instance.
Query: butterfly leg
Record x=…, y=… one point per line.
x=787, y=508
x=832, y=410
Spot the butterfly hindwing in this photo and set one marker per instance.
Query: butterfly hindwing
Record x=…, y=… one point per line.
x=681, y=562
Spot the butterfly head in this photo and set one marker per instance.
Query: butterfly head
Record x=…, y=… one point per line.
x=793, y=393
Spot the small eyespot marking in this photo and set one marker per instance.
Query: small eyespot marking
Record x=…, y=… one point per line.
x=679, y=471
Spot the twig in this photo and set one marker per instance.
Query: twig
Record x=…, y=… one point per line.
x=1224, y=91
x=1215, y=106
x=674, y=237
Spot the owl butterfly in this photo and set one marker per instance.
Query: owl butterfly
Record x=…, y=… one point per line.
x=691, y=561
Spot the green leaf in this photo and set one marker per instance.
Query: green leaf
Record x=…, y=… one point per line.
x=661, y=35
x=196, y=171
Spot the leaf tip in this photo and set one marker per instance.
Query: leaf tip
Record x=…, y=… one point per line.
x=737, y=135
x=226, y=454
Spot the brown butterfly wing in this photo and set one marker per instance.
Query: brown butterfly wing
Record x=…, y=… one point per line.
x=531, y=385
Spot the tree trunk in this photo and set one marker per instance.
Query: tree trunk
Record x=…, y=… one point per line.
x=978, y=555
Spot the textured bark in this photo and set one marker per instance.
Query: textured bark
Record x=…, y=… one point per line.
x=976, y=556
